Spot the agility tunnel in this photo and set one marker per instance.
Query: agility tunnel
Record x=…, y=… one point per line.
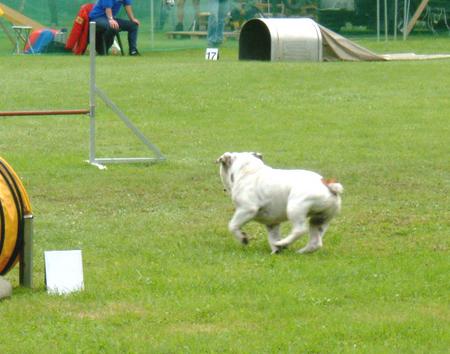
x=302, y=39
x=14, y=208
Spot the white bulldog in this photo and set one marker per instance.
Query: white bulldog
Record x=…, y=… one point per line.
x=271, y=196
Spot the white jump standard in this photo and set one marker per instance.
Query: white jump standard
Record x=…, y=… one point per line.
x=93, y=92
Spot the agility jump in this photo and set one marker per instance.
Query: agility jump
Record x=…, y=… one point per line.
x=95, y=91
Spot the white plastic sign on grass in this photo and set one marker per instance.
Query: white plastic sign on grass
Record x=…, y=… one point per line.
x=63, y=271
x=212, y=54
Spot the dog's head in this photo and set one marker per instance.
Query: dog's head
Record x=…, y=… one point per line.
x=232, y=162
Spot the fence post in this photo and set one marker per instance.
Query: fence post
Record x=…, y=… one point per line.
x=26, y=257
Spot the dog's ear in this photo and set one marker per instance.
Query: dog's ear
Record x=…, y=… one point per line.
x=225, y=159
x=258, y=155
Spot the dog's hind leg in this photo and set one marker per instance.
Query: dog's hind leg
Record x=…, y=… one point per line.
x=298, y=230
x=239, y=219
x=316, y=233
x=274, y=236
x=297, y=214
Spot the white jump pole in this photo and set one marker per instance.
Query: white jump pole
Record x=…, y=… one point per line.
x=386, y=34
x=395, y=18
x=152, y=23
x=92, y=93
x=378, y=20
x=405, y=19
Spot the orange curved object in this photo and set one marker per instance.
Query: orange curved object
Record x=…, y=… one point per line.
x=14, y=205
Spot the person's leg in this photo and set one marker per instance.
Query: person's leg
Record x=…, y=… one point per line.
x=196, y=5
x=180, y=15
x=223, y=10
x=163, y=14
x=213, y=7
x=132, y=29
x=104, y=36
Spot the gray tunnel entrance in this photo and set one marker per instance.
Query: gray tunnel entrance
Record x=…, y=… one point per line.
x=255, y=41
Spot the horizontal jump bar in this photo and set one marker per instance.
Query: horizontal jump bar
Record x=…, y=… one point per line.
x=44, y=113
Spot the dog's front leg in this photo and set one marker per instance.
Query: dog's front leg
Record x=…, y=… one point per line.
x=240, y=218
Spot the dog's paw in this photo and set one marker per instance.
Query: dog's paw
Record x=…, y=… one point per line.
x=281, y=244
x=277, y=250
x=308, y=249
x=244, y=238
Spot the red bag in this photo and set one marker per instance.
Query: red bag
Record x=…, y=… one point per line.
x=78, y=38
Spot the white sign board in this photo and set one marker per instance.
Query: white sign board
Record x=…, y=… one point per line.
x=212, y=54
x=63, y=271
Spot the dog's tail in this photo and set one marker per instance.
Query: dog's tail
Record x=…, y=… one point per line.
x=335, y=187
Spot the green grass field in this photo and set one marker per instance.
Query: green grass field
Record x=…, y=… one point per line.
x=163, y=274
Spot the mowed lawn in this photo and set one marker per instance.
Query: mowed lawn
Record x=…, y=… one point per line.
x=163, y=274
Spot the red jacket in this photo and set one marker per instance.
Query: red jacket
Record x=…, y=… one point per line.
x=79, y=36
